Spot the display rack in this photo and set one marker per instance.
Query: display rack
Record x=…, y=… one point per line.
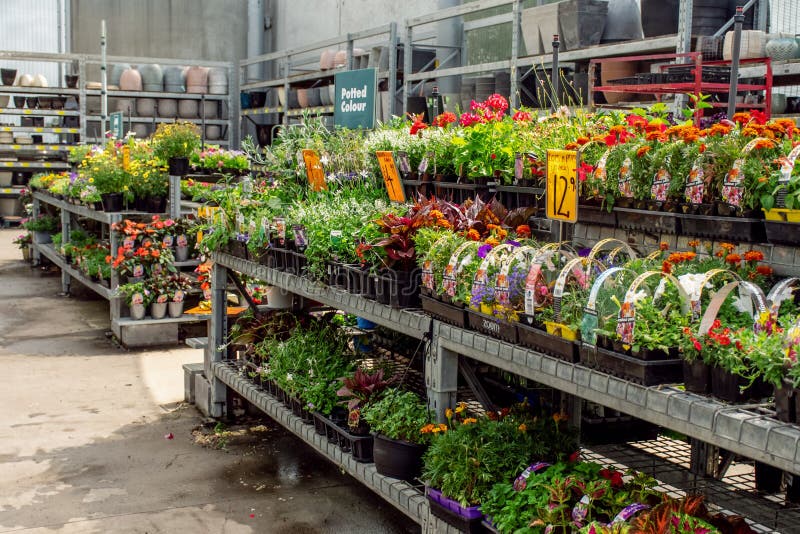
x=131, y=333
x=300, y=68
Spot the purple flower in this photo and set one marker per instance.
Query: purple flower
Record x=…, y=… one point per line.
x=512, y=242
x=72, y=177
x=484, y=250
x=584, y=252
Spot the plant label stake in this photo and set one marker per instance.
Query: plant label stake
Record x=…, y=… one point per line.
x=316, y=177
x=695, y=186
x=390, y=176
x=562, y=185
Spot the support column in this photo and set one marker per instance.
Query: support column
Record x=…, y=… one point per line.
x=449, y=35
x=441, y=377
x=216, y=350
x=66, y=223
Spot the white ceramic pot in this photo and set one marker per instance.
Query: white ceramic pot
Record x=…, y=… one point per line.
x=210, y=109
x=278, y=298
x=181, y=253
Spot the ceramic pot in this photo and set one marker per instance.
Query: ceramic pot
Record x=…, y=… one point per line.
x=326, y=59
x=281, y=96
x=146, y=107
x=778, y=104
x=213, y=132
x=116, y=73
x=71, y=80
x=8, y=76
x=217, y=81
x=126, y=106
x=174, y=80
x=141, y=130
x=302, y=97
x=130, y=80
x=167, y=107
x=152, y=77
x=187, y=109
x=197, y=80
x=181, y=253
x=210, y=109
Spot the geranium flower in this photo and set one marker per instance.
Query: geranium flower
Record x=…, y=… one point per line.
x=584, y=171
x=522, y=116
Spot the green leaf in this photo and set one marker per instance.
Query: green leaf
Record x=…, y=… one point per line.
x=767, y=202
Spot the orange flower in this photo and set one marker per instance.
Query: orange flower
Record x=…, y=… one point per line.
x=733, y=259
x=474, y=235
x=666, y=267
x=501, y=233
x=469, y=421
x=727, y=247
x=522, y=427
x=753, y=255
x=741, y=118
x=642, y=151
x=492, y=241
x=764, y=270
x=702, y=148
x=694, y=243
x=571, y=146
x=763, y=143
x=663, y=245
x=582, y=140
x=523, y=230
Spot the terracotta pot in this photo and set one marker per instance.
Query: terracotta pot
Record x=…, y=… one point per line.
x=167, y=107
x=613, y=71
x=187, y=109
x=210, y=109
x=302, y=97
x=213, y=132
x=116, y=73
x=145, y=107
x=197, y=80
x=130, y=80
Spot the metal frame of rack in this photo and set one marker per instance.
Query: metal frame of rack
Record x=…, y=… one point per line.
x=744, y=430
x=301, y=64
x=82, y=61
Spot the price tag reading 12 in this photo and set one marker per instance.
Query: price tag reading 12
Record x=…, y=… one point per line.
x=562, y=185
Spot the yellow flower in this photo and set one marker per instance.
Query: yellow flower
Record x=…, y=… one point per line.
x=461, y=408
x=470, y=420
x=448, y=413
x=522, y=428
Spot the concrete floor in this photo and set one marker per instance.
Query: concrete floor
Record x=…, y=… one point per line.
x=84, y=442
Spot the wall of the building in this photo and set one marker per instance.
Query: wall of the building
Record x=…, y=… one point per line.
x=31, y=26
x=210, y=29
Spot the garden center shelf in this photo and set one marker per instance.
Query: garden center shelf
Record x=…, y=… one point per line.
x=694, y=77
x=39, y=129
x=159, y=120
x=17, y=90
x=749, y=433
x=39, y=112
x=48, y=251
x=42, y=148
x=411, y=322
x=130, y=333
x=405, y=497
x=11, y=192
x=36, y=165
x=157, y=94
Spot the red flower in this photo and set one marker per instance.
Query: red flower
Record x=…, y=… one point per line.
x=522, y=116
x=697, y=345
x=418, y=125
x=585, y=170
x=493, y=156
x=448, y=117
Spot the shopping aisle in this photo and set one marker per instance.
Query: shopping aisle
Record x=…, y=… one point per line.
x=85, y=442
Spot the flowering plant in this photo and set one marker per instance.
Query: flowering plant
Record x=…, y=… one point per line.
x=135, y=293
x=216, y=159
x=175, y=140
x=23, y=240
x=399, y=415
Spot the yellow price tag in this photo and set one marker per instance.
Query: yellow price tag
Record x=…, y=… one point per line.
x=316, y=177
x=390, y=176
x=562, y=185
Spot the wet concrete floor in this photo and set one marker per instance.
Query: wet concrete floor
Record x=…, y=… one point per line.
x=85, y=436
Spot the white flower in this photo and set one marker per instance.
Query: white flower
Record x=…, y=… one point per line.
x=289, y=377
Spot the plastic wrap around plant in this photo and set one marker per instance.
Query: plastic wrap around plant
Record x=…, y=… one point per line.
x=752, y=290
x=613, y=283
x=458, y=273
x=482, y=294
x=615, y=247
x=541, y=279
x=626, y=321
x=433, y=264
x=780, y=292
x=509, y=284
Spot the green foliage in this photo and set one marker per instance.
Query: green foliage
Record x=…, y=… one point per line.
x=399, y=415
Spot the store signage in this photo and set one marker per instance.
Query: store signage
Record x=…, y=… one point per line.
x=116, y=124
x=355, y=98
x=390, y=176
x=562, y=185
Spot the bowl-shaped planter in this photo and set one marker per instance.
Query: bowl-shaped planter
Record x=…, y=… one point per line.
x=397, y=458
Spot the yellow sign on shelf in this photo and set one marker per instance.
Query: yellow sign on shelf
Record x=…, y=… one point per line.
x=390, y=176
x=316, y=176
x=562, y=185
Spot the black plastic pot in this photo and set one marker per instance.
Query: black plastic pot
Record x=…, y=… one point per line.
x=768, y=478
x=178, y=166
x=112, y=201
x=8, y=76
x=156, y=204
x=696, y=376
x=727, y=386
x=444, y=312
x=787, y=403
x=72, y=80
x=397, y=459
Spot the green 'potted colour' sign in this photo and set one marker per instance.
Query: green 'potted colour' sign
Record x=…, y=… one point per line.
x=355, y=98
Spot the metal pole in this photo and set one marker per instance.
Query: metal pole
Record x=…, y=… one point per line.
x=104, y=79
x=555, y=83
x=392, y=69
x=737, y=43
x=516, y=14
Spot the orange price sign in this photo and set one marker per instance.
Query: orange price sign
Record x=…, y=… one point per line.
x=390, y=176
x=316, y=177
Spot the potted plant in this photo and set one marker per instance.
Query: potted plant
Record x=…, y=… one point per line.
x=159, y=288
x=358, y=391
x=174, y=143
x=23, y=242
x=177, y=286
x=396, y=419
x=137, y=297
x=43, y=228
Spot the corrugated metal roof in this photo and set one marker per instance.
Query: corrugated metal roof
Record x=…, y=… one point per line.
x=31, y=26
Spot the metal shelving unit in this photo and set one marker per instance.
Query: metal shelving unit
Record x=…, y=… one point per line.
x=129, y=332
x=746, y=430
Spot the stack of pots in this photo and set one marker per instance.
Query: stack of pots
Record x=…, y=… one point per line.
x=152, y=82
x=7, y=76
x=129, y=80
x=196, y=83
x=174, y=82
